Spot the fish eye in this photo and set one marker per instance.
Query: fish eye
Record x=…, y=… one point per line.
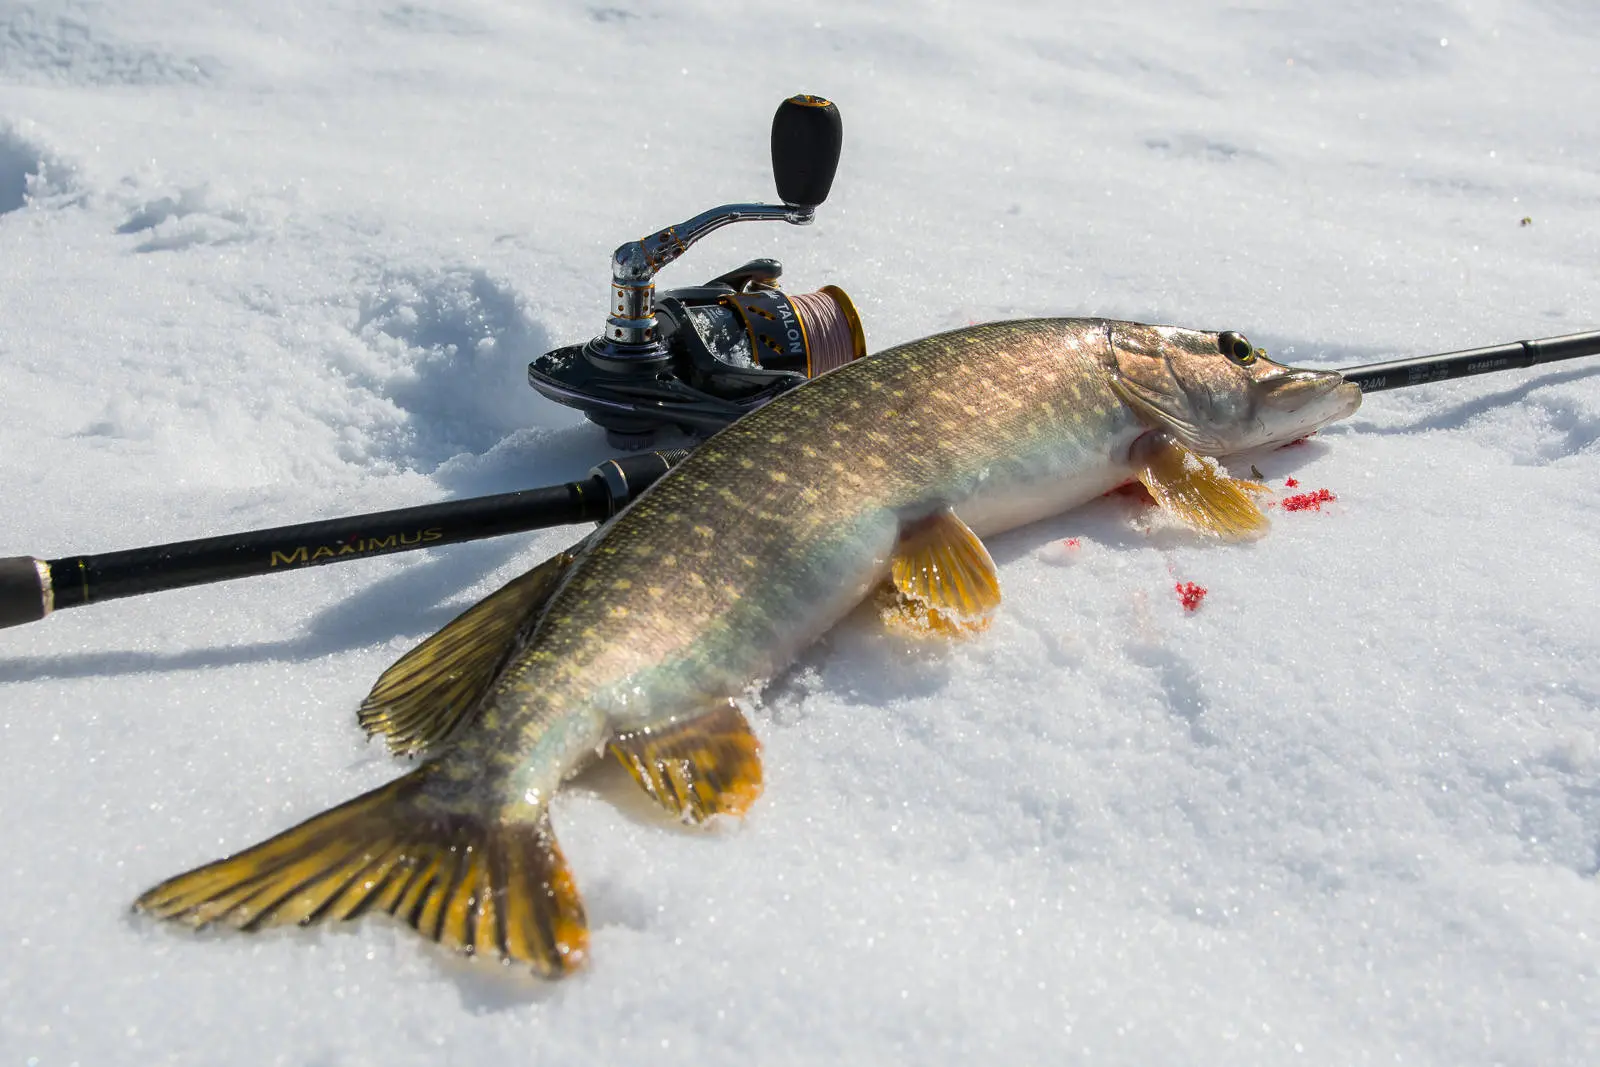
x=1237, y=348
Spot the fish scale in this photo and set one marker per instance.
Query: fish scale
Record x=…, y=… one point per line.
x=882, y=474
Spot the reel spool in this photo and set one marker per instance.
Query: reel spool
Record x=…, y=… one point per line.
x=694, y=359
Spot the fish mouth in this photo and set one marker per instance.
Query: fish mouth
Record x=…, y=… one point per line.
x=1294, y=404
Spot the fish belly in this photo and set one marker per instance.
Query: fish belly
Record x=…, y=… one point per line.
x=1009, y=506
x=1056, y=477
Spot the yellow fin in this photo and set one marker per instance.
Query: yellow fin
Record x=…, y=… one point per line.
x=481, y=886
x=695, y=768
x=431, y=691
x=1192, y=488
x=942, y=580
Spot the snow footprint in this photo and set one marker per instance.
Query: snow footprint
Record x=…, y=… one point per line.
x=1179, y=683
x=192, y=217
x=450, y=349
x=28, y=172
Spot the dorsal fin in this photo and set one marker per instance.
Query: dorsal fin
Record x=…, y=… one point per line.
x=431, y=691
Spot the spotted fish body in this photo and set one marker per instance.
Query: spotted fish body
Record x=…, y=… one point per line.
x=777, y=526
x=717, y=577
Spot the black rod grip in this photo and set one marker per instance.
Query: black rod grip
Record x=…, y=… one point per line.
x=89, y=579
x=1401, y=373
x=30, y=589
x=24, y=592
x=806, y=137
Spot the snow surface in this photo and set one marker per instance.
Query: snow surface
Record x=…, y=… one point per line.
x=267, y=262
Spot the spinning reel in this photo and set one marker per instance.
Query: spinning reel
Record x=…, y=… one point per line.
x=696, y=358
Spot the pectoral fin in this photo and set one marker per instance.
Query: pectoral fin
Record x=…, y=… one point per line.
x=432, y=690
x=941, y=579
x=1195, y=489
x=695, y=768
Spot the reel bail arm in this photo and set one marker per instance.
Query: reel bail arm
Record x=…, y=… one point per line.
x=632, y=323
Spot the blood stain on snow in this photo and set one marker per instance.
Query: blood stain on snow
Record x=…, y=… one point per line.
x=1290, y=482
x=1062, y=552
x=1190, y=595
x=1312, y=501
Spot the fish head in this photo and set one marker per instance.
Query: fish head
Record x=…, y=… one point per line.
x=1219, y=394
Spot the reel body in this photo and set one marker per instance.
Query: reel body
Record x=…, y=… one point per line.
x=726, y=348
x=694, y=359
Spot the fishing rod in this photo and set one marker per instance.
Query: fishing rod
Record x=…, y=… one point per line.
x=685, y=362
x=31, y=588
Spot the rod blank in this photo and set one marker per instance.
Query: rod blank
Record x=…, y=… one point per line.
x=1401, y=373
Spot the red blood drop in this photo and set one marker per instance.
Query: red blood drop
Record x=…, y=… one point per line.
x=1290, y=482
x=1190, y=595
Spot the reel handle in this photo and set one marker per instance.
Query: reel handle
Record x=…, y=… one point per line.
x=806, y=137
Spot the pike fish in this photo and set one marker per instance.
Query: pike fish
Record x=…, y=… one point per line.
x=881, y=475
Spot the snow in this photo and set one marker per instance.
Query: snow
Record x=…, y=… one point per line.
x=262, y=263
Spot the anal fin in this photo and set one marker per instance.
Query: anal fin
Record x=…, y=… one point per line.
x=1195, y=490
x=478, y=884
x=941, y=579
x=695, y=768
x=431, y=691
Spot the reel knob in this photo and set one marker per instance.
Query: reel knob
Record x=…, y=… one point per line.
x=806, y=136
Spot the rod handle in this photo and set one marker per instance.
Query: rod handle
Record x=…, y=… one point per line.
x=806, y=138
x=24, y=590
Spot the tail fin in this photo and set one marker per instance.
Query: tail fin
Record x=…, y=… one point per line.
x=475, y=885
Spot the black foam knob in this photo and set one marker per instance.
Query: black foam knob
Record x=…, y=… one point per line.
x=806, y=136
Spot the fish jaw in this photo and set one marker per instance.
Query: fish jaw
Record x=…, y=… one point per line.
x=1291, y=405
